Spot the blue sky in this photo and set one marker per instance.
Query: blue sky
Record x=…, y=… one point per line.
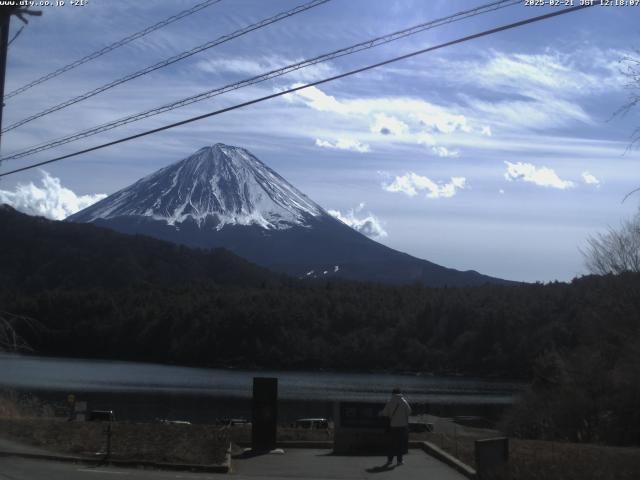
x=499, y=155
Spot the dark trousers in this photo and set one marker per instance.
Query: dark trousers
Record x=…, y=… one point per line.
x=398, y=443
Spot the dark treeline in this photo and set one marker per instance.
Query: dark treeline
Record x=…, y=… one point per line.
x=78, y=290
x=38, y=254
x=489, y=330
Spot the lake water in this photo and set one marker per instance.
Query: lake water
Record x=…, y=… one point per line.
x=144, y=391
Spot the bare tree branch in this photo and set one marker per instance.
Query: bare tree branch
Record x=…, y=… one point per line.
x=631, y=70
x=10, y=340
x=615, y=251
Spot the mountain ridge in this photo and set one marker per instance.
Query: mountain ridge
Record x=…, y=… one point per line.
x=37, y=253
x=220, y=181
x=223, y=196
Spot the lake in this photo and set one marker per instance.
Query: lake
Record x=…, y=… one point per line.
x=145, y=391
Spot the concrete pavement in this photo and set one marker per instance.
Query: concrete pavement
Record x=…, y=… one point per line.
x=316, y=464
x=11, y=446
x=302, y=463
x=13, y=468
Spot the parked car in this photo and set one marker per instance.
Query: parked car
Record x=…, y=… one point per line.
x=232, y=422
x=312, y=423
x=172, y=422
x=101, y=416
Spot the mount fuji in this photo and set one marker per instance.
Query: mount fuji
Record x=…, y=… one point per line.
x=223, y=196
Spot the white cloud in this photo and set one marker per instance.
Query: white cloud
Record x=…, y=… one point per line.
x=486, y=130
x=388, y=125
x=501, y=192
x=590, y=179
x=367, y=224
x=530, y=72
x=537, y=91
x=317, y=99
x=425, y=139
x=542, y=176
x=52, y=200
x=411, y=183
x=253, y=67
x=532, y=114
x=570, y=74
x=440, y=120
x=444, y=151
x=344, y=144
x=394, y=113
x=573, y=74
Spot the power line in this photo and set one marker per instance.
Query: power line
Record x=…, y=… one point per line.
x=113, y=46
x=311, y=84
x=169, y=61
x=264, y=77
x=16, y=35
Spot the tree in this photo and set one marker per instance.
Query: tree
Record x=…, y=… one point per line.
x=615, y=251
x=10, y=340
x=631, y=71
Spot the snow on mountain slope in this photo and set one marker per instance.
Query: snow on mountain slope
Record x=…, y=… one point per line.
x=223, y=196
x=221, y=183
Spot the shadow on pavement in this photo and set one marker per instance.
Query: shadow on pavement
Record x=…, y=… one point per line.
x=381, y=468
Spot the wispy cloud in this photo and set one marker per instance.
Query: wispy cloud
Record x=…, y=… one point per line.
x=532, y=73
x=258, y=65
x=541, y=176
x=444, y=151
x=439, y=119
x=411, y=183
x=531, y=114
x=388, y=125
x=50, y=200
x=540, y=91
x=590, y=179
x=318, y=100
x=344, y=144
x=398, y=119
x=367, y=224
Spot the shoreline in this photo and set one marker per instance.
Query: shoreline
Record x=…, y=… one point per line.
x=522, y=382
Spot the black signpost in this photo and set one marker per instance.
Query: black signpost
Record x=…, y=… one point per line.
x=359, y=428
x=264, y=416
x=361, y=415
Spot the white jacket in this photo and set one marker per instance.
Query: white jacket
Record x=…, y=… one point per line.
x=398, y=410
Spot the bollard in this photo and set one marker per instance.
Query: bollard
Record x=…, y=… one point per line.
x=108, y=456
x=455, y=436
x=491, y=454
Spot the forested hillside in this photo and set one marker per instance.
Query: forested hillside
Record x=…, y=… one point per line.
x=98, y=293
x=78, y=290
x=38, y=254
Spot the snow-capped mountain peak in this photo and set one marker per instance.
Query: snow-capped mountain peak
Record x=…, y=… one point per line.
x=221, y=184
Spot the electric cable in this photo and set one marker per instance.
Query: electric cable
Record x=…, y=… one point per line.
x=311, y=84
x=264, y=77
x=111, y=47
x=169, y=61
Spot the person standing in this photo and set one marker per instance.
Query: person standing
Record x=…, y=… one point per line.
x=397, y=410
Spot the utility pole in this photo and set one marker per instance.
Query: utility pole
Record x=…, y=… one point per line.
x=5, y=18
x=6, y=11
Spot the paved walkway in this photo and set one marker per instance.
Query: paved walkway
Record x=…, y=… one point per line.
x=25, y=469
x=12, y=446
x=311, y=464
x=321, y=464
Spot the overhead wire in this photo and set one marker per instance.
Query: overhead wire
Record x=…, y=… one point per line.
x=368, y=44
x=111, y=47
x=181, y=56
x=16, y=35
x=311, y=84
